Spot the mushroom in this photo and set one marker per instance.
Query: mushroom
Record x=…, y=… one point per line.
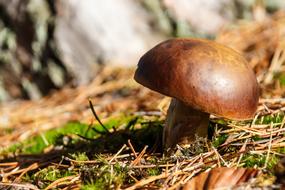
x=202, y=77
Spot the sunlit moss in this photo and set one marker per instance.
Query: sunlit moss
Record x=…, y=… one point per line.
x=257, y=160
x=217, y=141
x=105, y=176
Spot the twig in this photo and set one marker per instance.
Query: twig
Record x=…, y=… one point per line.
x=171, y=177
x=242, y=149
x=192, y=174
x=35, y=166
x=148, y=113
x=114, y=157
x=9, y=164
x=269, y=148
x=18, y=185
x=177, y=184
x=96, y=161
x=135, y=179
x=136, y=161
x=81, y=161
x=31, y=167
x=132, y=148
x=151, y=179
x=70, y=179
x=96, y=116
x=218, y=156
x=153, y=166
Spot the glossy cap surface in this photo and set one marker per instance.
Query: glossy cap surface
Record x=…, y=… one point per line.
x=203, y=74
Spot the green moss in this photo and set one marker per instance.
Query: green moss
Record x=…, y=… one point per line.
x=38, y=143
x=103, y=177
x=281, y=150
x=281, y=78
x=256, y=160
x=220, y=122
x=217, y=141
x=47, y=175
x=90, y=187
x=51, y=173
x=256, y=138
x=60, y=136
x=81, y=143
x=153, y=171
x=79, y=156
x=271, y=119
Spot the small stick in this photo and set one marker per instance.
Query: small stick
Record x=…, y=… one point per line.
x=19, y=171
x=269, y=148
x=242, y=149
x=194, y=167
x=192, y=162
x=167, y=169
x=71, y=179
x=31, y=167
x=96, y=116
x=151, y=179
x=9, y=164
x=95, y=161
x=222, y=159
x=192, y=174
x=81, y=162
x=272, y=100
x=132, y=148
x=155, y=166
x=171, y=179
x=135, y=179
x=10, y=168
x=177, y=184
x=254, y=119
x=218, y=156
x=256, y=132
x=18, y=186
x=176, y=168
x=139, y=157
x=123, y=147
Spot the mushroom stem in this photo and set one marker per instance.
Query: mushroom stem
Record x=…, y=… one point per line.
x=183, y=123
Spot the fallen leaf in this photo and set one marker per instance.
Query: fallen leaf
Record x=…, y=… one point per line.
x=220, y=178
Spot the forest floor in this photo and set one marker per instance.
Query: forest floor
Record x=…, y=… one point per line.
x=58, y=142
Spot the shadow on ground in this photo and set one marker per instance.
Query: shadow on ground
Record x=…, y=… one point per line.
x=107, y=143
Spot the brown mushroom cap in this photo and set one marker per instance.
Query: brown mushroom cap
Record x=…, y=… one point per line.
x=203, y=74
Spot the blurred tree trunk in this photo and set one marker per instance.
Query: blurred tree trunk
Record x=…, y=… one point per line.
x=45, y=43
x=95, y=32
x=24, y=68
